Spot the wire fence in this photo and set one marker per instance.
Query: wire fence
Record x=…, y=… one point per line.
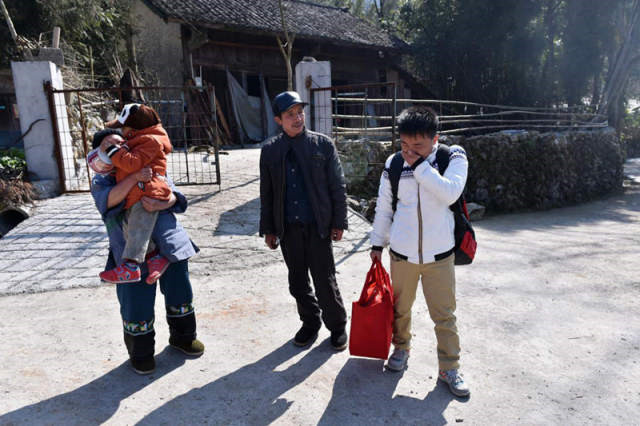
x=188, y=115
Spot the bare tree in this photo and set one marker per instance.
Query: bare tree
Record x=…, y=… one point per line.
x=552, y=25
x=286, y=46
x=379, y=8
x=628, y=55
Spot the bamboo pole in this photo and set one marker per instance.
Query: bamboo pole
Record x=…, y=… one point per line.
x=12, y=30
x=55, y=40
x=439, y=101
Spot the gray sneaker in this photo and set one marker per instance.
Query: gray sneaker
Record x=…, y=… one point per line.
x=454, y=380
x=398, y=360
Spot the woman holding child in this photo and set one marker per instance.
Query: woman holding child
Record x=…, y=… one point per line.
x=171, y=242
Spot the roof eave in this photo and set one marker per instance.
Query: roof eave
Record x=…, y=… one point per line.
x=254, y=30
x=156, y=10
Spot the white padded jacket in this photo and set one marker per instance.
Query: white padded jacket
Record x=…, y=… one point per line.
x=422, y=226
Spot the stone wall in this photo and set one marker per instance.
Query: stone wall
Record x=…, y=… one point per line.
x=507, y=172
x=532, y=170
x=362, y=161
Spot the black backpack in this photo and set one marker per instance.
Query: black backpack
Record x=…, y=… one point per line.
x=465, y=237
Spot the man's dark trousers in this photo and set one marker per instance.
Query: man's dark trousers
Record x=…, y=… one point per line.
x=304, y=251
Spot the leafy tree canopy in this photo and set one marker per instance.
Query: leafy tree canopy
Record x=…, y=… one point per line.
x=93, y=29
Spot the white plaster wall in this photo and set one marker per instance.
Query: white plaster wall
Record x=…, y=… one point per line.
x=39, y=143
x=320, y=73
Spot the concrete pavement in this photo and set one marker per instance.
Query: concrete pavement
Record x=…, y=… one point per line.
x=547, y=318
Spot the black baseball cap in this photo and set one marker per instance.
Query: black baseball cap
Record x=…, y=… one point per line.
x=286, y=100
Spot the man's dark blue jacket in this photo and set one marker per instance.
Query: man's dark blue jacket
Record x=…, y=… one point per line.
x=318, y=158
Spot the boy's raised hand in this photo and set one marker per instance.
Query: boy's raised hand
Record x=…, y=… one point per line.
x=410, y=156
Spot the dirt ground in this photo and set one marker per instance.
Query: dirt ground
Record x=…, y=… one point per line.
x=548, y=318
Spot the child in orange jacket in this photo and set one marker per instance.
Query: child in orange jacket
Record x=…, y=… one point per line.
x=147, y=145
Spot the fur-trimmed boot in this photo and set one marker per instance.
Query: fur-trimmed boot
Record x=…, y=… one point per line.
x=182, y=330
x=141, y=349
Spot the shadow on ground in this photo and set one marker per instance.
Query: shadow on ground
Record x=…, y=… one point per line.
x=97, y=401
x=210, y=195
x=252, y=394
x=241, y=220
x=255, y=394
x=613, y=208
x=364, y=394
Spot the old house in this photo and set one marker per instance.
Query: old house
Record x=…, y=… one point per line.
x=200, y=40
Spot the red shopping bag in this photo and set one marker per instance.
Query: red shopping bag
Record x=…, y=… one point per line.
x=372, y=316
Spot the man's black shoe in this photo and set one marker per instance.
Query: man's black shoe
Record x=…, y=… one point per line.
x=146, y=365
x=305, y=336
x=339, y=340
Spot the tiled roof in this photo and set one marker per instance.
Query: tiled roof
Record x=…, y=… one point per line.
x=305, y=19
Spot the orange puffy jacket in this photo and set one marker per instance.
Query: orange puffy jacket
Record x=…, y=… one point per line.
x=144, y=148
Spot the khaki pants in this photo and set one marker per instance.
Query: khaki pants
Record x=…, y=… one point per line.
x=439, y=288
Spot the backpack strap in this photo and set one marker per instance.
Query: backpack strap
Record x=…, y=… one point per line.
x=442, y=159
x=395, y=171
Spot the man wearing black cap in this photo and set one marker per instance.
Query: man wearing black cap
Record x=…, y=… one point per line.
x=303, y=208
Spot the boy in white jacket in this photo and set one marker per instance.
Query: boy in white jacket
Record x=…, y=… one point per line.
x=420, y=237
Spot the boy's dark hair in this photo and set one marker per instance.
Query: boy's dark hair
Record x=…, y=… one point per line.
x=418, y=120
x=99, y=136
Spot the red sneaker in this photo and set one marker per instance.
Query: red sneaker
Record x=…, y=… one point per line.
x=151, y=254
x=121, y=275
x=157, y=265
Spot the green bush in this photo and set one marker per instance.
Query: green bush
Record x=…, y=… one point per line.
x=14, y=190
x=631, y=134
x=632, y=119
x=12, y=163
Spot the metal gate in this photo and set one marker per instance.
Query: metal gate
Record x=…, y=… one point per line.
x=188, y=114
